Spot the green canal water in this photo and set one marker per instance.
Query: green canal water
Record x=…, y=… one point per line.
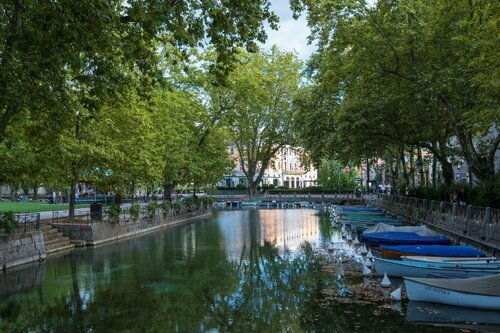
x=239, y=271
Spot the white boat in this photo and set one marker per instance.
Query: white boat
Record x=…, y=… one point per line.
x=481, y=292
x=402, y=268
x=474, y=263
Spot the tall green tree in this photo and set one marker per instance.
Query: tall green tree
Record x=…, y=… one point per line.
x=193, y=148
x=391, y=84
x=257, y=104
x=46, y=48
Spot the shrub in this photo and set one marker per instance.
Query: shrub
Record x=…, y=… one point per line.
x=178, y=207
x=134, y=211
x=114, y=212
x=166, y=207
x=8, y=222
x=152, y=206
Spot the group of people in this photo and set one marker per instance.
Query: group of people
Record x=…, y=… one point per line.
x=459, y=198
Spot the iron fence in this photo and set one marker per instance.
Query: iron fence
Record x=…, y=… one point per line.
x=145, y=215
x=487, y=214
x=26, y=221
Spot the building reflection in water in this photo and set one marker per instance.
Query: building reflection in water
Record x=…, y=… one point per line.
x=286, y=229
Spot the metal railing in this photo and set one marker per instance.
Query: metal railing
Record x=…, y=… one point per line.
x=295, y=197
x=491, y=215
x=145, y=216
x=26, y=221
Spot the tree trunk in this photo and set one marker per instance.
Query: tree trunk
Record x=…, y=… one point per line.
x=167, y=192
x=448, y=174
x=395, y=173
x=132, y=193
x=252, y=189
x=13, y=192
x=35, y=192
x=404, y=170
x=72, y=199
x=434, y=171
x=412, y=170
x=367, y=175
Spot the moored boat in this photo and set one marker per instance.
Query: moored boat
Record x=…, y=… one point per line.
x=422, y=230
x=357, y=210
x=401, y=268
x=401, y=238
x=480, y=292
x=396, y=251
x=371, y=218
x=474, y=263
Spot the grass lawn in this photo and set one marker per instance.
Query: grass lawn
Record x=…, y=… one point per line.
x=30, y=207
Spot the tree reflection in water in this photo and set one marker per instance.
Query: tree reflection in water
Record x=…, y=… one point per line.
x=272, y=291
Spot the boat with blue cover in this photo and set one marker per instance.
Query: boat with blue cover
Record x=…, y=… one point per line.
x=401, y=238
x=396, y=251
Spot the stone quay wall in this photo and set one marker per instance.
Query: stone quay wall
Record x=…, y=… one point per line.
x=20, y=248
x=478, y=226
x=94, y=233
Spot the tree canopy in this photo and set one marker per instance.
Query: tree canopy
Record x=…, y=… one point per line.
x=403, y=74
x=257, y=107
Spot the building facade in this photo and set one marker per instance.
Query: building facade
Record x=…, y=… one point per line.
x=284, y=170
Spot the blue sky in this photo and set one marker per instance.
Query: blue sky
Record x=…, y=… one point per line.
x=292, y=34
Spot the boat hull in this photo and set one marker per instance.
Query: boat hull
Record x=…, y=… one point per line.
x=453, y=262
x=402, y=238
x=395, y=252
x=400, y=268
x=422, y=292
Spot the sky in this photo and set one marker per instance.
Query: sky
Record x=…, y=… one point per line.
x=292, y=34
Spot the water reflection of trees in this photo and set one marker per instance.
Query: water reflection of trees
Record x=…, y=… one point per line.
x=272, y=292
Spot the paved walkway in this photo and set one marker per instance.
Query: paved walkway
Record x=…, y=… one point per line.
x=48, y=215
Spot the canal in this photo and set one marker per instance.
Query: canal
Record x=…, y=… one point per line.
x=239, y=271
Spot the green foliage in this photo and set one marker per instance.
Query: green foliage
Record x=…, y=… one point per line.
x=257, y=107
x=178, y=206
x=166, y=206
x=485, y=194
x=86, y=111
x=207, y=201
x=331, y=172
x=379, y=83
x=191, y=140
x=114, y=212
x=8, y=222
x=135, y=211
x=152, y=208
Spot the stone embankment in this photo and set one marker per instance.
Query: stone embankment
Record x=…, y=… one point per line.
x=94, y=233
x=20, y=248
x=33, y=241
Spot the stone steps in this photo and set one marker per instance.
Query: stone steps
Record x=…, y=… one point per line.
x=55, y=241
